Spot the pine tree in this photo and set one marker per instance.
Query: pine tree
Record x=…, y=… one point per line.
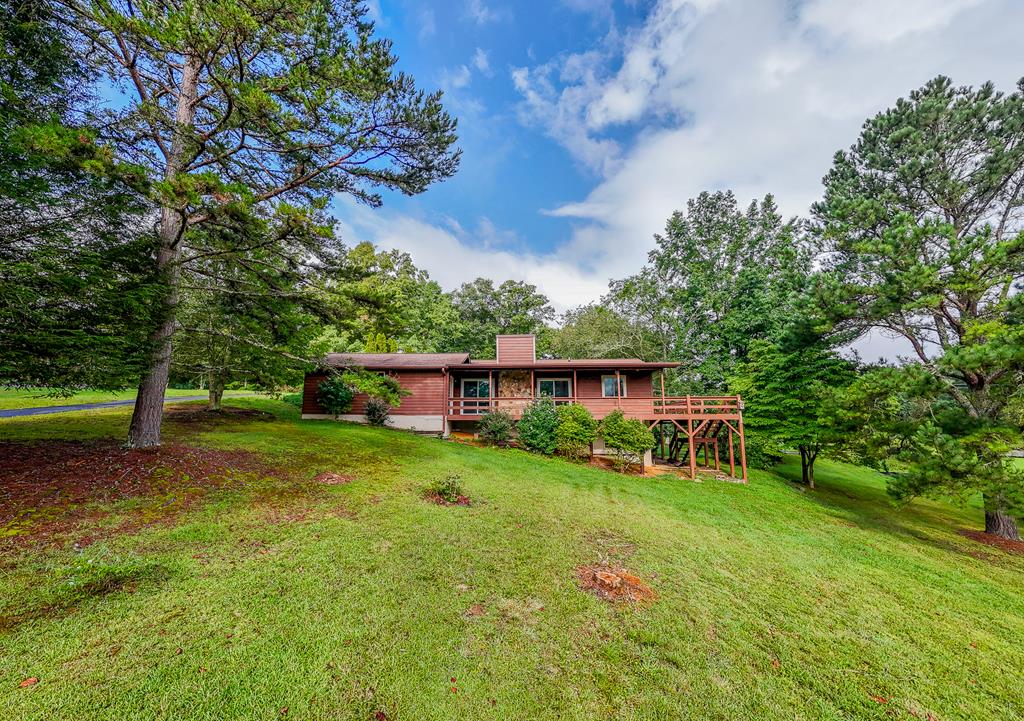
x=263, y=108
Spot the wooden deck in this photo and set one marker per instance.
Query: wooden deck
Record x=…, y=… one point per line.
x=686, y=426
x=644, y=408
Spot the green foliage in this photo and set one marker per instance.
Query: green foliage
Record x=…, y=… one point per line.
x=576, y=430
x=335, y=395
x=275, y=108
x=375, y=385
x=718, y=279
x=596, y=331
x=785, y=392
x=537, y=426
x=78, y=295
x=497, y=427
x=485, y=311
x=293, y=399
x=378, y=411
x=921, y=220
x=249, y=313
x=380, y=343
x=448, y=489
x=628, y=438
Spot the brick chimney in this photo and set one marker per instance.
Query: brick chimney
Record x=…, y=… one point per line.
x=517, y=349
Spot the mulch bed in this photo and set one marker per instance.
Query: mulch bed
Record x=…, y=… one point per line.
x=190, y=415
x=614, y=584
x=50, y=488
x=1005, y=544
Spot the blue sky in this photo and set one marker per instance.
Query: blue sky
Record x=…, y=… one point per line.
x=510, y=172
x=585, y=123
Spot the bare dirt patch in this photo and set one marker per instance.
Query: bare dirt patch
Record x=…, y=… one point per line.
x=614, y=584
x=53, y=488
x=437, y=498
x=329, y=478
x=1004, y=544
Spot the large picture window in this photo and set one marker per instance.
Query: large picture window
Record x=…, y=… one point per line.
x=476, y=388
x=608, y=386
x=554, y=388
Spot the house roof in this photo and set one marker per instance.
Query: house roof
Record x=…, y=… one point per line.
x=573, y=363
x=397, y=360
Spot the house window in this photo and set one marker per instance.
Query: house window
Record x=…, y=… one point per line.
x=473, y=388
x=608, y=386
x=554, y=388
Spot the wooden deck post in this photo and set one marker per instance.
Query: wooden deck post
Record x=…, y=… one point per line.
x=693, y=450
x=732, y=459
x=718, y=465
x=743, y=452
x=662, y=376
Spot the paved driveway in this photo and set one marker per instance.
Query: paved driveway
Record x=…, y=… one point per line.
x=13, y=412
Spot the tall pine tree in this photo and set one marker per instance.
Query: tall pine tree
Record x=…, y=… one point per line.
x=266, y=107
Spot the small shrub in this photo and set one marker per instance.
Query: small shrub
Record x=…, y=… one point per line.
x=377, y=411
x=293, y=399
x=537, y=426
x=335, y=395
x=496, y=428
x=448, y=490
x=576, y=430
x=375, y=385
x=763, y=451
x=628, y=438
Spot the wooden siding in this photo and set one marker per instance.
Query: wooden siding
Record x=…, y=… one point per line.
x=427, y=398
x=516, y=349
x=637, y=383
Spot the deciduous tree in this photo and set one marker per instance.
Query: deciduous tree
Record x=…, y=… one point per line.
x=786, y=392
x=718, y=279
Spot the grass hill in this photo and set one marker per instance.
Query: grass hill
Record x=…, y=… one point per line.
x=262, y=567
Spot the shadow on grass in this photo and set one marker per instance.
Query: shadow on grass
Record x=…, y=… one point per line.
x=858, y=496
x=86, y=579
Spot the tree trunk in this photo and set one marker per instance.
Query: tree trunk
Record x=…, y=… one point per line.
x=216, y=391
x=807, y=458
x=144, y=430
x=997, y=521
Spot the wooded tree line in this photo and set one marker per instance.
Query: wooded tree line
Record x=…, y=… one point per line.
x=166, y=170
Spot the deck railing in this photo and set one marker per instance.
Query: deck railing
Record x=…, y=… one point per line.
x=600, y=406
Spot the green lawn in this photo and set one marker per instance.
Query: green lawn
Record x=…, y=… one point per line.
x=342, y=601
x=11, y=398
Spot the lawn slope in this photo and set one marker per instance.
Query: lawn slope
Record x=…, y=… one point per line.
x=273, y=596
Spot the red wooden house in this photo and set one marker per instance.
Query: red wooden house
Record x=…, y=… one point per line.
x=450, y=392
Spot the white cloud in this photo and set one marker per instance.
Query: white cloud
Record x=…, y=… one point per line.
x=480, y=13
x=427, y=23
x=881, y=21
x=453, y=255
x=752, y=95
x=455, y=79
x=480, y=61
